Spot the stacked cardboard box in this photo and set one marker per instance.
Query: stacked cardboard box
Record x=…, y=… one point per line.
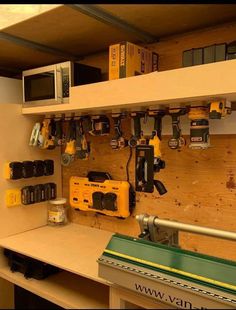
x=128, y=59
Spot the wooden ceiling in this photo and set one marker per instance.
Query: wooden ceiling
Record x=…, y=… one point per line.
x=75, y=33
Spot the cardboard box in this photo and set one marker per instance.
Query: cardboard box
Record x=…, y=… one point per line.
x=128, y=59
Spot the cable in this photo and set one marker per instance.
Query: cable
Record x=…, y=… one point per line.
x=128, y=162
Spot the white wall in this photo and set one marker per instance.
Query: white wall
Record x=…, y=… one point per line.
x=15, y=131
x=10, y=91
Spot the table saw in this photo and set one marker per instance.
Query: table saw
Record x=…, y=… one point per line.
x=154, y=265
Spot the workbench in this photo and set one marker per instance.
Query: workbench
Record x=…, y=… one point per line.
x=74, y=249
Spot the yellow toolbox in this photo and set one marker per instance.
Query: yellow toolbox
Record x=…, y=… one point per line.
x=98, y=193
x=128, y=59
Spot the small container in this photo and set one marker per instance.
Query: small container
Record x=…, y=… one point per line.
x=57, y=212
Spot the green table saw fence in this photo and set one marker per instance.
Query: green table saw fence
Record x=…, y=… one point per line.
x=208, y=270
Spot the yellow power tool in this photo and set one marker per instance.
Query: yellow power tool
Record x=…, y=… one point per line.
x=156, y=138
x=70, y=150
x=44, y=134
x=219, y=109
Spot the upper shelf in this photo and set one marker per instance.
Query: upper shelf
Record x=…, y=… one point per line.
x=68, y=31
x=172, y=87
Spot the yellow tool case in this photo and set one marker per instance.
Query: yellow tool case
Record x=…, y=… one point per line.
x=99, y=193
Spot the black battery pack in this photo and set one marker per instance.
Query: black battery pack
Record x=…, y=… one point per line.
x=28, y=169
x=30, y=267
x=48, y=167
x=50, y=191
x=27, y=195
x=38, y=168
x=16, y=170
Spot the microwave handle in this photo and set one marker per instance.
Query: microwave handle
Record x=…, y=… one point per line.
x=58, y=85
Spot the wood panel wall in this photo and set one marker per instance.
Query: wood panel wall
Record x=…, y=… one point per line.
x=201, y=183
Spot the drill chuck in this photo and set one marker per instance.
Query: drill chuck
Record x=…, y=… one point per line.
x=133, y=142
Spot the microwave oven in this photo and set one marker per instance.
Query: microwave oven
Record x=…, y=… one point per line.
x=51, y=84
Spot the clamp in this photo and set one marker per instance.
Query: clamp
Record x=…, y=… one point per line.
x=156, y=233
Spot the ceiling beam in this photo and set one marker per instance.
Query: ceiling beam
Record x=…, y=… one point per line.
x=103, y=16
x=37, y=46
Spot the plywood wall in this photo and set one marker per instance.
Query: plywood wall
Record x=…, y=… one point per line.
x=201, y=184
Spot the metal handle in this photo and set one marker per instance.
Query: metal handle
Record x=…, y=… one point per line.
x=58, y=85
x=191, y=228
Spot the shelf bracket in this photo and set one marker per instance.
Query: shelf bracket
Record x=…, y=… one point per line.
x=107, y=18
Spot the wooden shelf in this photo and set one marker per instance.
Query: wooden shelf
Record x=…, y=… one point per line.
x=74, y=248
x=64, y=289
x=178, y=86
x=63, y=29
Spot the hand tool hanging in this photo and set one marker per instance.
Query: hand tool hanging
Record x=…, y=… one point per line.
x=118, y=141
x=100, y=125
x=155, y=141
x=145, y=160
x=43, y=134
x=137, y=137
x=59, y=135
x=50, y=141
x=35, y=134
x=81, y=145
x=177, y=141
x=199, y=127
x=69, y=154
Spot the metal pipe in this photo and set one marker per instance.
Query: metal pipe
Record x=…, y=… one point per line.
x=192, y=228
x=107, y=18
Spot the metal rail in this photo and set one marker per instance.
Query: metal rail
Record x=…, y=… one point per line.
x=37, y=46
x=107, y=18
x=223, y=234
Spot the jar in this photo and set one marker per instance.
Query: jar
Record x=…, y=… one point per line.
x=57, y=212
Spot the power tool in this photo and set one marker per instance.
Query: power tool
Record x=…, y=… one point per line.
x=199, y=127
x=156, y=138
x=50, y=141
x=100, y=125
x=118, y=141
x=219, y=109
x=177, y=141
x=43, y=134
x=144, y=171
x=81, y=145
x=69, y=154
x=35, y=134
x=59, y=138
x=153, y=265
x=137, y=137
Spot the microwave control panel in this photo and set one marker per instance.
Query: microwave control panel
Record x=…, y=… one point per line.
x=65, y=82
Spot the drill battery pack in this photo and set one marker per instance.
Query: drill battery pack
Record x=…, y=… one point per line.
x=99, y=193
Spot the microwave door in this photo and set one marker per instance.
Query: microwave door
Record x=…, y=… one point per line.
x=41, y=87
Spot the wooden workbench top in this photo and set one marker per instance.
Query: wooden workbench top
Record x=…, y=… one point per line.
x=72, y=247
